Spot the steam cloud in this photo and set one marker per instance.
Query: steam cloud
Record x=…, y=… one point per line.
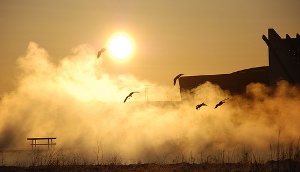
x=79, y=102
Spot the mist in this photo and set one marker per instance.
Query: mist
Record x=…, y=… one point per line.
x=80, y=101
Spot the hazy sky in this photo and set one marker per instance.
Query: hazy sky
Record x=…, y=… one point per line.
x=52, y=84
x=193, y=37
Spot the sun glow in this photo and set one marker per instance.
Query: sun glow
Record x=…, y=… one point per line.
x=121, y=46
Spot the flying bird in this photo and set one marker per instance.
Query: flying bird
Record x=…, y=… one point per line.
x=100, y=52
x=177, y=77
x=220, y=103
x=200, y=105
x=130, y=95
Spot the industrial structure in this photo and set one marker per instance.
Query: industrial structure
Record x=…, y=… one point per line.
x=284, y=64
x=284, y=57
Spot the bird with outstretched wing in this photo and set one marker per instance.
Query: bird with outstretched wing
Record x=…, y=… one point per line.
x=100, y=52
x=177, y=77
x=200, y=105
x=220, y=103
x=130, y=95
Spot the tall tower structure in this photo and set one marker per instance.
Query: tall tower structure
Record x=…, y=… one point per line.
x=284, y=64
x=284, y=57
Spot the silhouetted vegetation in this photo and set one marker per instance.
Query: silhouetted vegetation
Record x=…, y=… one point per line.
x=280, y=159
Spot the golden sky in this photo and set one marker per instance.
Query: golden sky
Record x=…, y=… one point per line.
x=53, y=84
x=193, y=37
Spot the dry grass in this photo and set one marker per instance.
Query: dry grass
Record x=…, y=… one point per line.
x=281, y=159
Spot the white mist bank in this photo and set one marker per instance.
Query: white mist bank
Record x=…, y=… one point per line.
x=78, y=101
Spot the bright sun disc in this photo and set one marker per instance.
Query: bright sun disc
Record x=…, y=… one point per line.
x=120, y=46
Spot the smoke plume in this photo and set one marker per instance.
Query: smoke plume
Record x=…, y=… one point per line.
x=78, y=101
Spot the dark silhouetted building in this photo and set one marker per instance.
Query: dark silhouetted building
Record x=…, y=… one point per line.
x=235, y=82
x=284, y=57
x=284, y=64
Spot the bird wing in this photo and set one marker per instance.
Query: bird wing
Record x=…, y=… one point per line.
x=225, y=99
x=130, y=94
x=177, y=77
x=217, y=105
x=126, y=99
x=101, y=51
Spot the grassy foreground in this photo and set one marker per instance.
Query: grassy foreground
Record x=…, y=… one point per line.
x=280, y=159
x=287, y=165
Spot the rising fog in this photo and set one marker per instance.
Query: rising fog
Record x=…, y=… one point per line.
x=80, y=102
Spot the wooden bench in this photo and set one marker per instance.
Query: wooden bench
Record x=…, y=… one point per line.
x=44, y=141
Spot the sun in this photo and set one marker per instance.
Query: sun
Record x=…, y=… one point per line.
x=121, y=46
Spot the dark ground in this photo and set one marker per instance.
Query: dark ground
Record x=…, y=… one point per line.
x=271, y=166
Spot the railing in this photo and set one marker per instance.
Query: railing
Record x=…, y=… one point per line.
x=44, y=141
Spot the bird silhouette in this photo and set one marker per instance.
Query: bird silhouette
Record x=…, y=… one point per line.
x=177, y=77
x=220, y=103
x=100, y=52
x=200, y=105
x=130, y=95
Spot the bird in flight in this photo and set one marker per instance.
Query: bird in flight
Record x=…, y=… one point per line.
x=200, y=105
x=101, y=51
x=220, y=103
x=130, y=95
x=177, y=77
